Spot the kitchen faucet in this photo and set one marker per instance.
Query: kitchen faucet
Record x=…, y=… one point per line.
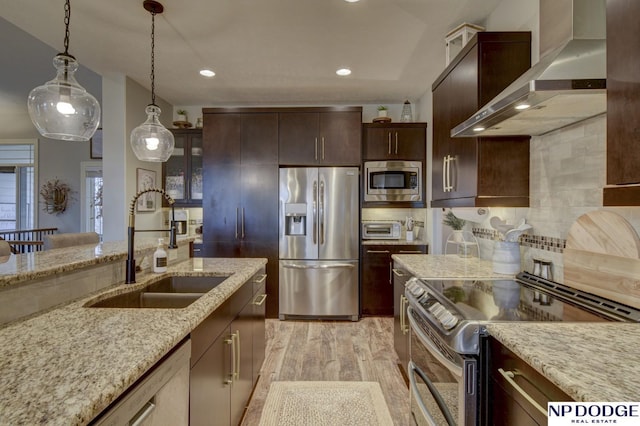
x=131, y=230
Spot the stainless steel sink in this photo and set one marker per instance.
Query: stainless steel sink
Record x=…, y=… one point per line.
x=170, y=292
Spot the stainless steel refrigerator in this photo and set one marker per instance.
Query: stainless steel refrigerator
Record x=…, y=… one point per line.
x=319, y=256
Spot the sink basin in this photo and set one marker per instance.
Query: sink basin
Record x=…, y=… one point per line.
x=170, y=292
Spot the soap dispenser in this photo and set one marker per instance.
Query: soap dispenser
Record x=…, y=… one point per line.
x=160, y=258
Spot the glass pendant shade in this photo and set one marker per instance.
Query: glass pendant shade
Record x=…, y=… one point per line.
x=151, y=141
x=61, y=108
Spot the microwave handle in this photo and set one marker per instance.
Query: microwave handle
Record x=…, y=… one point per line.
x=413, y=370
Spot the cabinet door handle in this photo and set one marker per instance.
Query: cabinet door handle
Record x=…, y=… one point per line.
x=399, y=273
x=444, y=173
x=236, y=223
x=403, y=314
x=262, y=278
x=242, y=224
x=323, y=147
x=236, y=372
x=231, y=341
x=411, y=251
x=396, y=142
x=262, y=298
x=389, y=143
x=377, y=251
x=508, y=376
x=391, y=272
x=143, y=413
x=316, y=154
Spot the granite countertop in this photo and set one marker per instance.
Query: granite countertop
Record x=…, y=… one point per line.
x=29, y=266
x=400, y=242
x=595, y=362
x=447, y=267
x=65, y=366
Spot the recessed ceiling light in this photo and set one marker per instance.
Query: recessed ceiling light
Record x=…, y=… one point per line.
x=478, y=129
x=343, y=72
x=352, y=1
x=207, y=73
x=523, y=106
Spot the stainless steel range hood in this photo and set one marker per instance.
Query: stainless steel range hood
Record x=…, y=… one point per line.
x=566, y=86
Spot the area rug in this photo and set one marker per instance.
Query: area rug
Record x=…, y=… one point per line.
x=325, y=403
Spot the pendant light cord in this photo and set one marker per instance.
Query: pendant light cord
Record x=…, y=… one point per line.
x=67, y=19
x=153, y=58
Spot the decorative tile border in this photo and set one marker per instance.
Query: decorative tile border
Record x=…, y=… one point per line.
x=536, y=241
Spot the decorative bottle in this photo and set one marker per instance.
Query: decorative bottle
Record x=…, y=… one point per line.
x=160, y=258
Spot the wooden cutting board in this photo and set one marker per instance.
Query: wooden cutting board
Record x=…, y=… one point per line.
x=602, y=256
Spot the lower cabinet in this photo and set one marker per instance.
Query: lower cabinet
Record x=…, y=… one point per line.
x=376, y=293
x=161, y=398
x=227, y=353
x=400, y=320
x=517, y=395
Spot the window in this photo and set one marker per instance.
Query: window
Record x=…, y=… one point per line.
x=17, y=185
x=91, y=193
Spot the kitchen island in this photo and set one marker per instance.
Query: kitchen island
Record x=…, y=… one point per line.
x=65, y=366
x=588, y=361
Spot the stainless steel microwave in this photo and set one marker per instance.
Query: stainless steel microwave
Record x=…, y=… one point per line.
x=393, y=181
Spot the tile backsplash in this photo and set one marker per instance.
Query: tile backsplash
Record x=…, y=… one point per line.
x=568, y=172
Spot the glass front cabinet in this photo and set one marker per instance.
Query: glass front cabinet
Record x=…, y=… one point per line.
x=182, y=173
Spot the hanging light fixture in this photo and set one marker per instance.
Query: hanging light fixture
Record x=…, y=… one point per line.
x=61, y=108
x=151, y=141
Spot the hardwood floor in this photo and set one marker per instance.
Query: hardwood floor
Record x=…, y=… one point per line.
x=328, y=351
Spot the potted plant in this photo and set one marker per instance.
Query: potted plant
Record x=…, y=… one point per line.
x=382, y=111
x=182, y=115
x=454, y=223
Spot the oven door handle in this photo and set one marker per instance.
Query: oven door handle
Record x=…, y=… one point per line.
x=413, y=370
x=431, y=347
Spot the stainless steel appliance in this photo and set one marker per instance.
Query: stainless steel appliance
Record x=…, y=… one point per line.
x=389, y=230
x=319, y=256
x=448, y=322
x=393, y=181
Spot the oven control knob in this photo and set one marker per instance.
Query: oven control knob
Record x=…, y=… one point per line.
x=450, y=322
x=436, y=309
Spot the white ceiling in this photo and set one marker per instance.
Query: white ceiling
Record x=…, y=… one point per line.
x=265, y=52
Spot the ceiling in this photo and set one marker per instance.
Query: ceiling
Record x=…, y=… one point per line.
x=264, y=52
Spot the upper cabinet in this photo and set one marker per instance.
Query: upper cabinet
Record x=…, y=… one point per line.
x=320, y=136
x=182, y=173
x=623, y=103
x=488, y=171
x=394, y=141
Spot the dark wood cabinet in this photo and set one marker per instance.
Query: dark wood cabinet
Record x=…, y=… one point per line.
x=320, y=136
x=489, y=171
x=623, y=104
x=240, y=206
x=400, y=319
x=182, y=172
x=376, y=291
x=508, y=405
x=398, y=141
x=225, y=357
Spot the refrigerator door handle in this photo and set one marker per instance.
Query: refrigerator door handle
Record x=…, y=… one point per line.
x=332, y=266
x=236, y=223
x=242, y=226
x=315, y=212
x=322, y=229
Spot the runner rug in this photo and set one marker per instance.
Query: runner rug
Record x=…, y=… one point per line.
x=325, y=403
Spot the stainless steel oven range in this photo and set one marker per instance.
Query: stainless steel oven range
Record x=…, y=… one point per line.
x=448, y=321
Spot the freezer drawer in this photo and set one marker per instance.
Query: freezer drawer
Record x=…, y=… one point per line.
x=319, y=289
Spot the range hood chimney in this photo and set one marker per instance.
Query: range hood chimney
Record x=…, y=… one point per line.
x=566, y=86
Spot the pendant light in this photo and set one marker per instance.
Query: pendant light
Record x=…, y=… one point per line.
x=151, y=141
x=61, y=108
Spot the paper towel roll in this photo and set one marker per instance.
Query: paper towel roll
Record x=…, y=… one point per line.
x=472, y=214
